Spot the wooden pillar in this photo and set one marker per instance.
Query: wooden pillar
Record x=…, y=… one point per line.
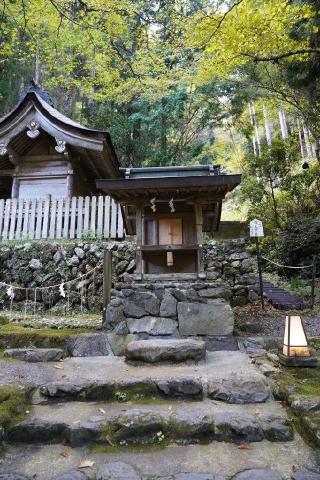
x=139, y=231
x=107, y=280
x=199, y=239
x=15, y=188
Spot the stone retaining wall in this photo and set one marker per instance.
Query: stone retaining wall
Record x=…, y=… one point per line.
x=36, y=264
x=175, y=309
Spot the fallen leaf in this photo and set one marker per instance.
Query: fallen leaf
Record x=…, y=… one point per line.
x=86, y=464
x=243, y=446
x=64, y=454
x=27, y=411
x=77, y=421
x=108, y=440
x=214, y=403
x=102, y=411
x=294, y=468
x=59, y=367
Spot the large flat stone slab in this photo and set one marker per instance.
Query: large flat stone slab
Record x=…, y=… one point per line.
x=214, y=318
x=35, y=354
x=152, y=351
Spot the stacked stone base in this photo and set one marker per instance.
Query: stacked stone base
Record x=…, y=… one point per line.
x=170, y=309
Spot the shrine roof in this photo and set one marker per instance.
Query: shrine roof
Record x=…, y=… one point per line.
x=35, y=106
x=157, y=182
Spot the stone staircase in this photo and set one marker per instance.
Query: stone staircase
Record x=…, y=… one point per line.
x=148, y=416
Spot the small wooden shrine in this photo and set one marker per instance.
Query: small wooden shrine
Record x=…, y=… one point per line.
x=169, y=209
x=42, y=152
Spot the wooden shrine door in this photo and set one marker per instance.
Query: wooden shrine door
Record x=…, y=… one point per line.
x=170, y=231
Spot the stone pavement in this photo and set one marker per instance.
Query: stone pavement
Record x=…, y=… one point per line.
x=216, y=416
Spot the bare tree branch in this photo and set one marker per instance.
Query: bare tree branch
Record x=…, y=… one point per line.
x=280, y=56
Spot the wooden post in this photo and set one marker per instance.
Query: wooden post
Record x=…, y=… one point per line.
x=260, y=272
x=199, y=239
x=313, y=281
x=107, y=280
x=139, y=220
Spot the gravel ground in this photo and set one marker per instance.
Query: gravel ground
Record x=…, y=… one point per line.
x=251, y=321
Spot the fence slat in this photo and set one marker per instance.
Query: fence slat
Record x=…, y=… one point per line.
x=59, y=218
x=39, y=210
x=113, y=229
x=2, y=204
x=120, y=222
x=13, y=215
x=66, y=218
x=93, y=212
x=86, y=214
x=52, y=225
x=19, y=220
x=106, y=227
x=80, y=217
x=100, y=215
x=73, y=217
x=26, y=220
x=6, y=219
x=46, y=213
x=32, y=219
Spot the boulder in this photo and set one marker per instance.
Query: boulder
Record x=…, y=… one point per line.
x=117, y=471
x=258, y=474
x=301, y=475
x=141, y=303
x=35, y=264
x=152, y=325
x=235, y=427
x=276, y=429
x=13, y=476
x=301, y=404
x=181, y=387
x=214, y=318
x=85, y=474
x=195, y=476
x=114, y=316
x=168, y=307
x=137, y=425
x=239, y=390
x=164, y=350
x=79, y=252
x=217, y=292
x=88, y=345
x=35, y=354
x=73, y=261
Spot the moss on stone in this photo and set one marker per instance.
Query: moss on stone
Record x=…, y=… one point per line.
x=18, y=337
x=13, y=405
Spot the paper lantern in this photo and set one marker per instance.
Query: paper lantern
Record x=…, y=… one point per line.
x=295, y=342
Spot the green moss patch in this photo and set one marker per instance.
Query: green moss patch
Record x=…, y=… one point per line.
x=13, y=405
x=303, y=381
x=18, y=337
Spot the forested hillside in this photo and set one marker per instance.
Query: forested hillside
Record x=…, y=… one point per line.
x=187, y=81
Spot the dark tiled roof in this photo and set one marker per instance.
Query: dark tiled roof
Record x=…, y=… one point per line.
x=34, y=87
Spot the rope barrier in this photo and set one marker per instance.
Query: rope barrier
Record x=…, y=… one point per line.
x=57, y=285
x=284, y=266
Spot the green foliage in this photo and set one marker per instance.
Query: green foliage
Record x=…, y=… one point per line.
x=13, y=404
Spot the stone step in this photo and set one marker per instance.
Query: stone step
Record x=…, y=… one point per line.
x=225, y=376
x=118, y=424
x=153, y=351
x=35, y=354
x=209, y=461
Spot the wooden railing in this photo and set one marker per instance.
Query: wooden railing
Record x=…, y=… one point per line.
x=57, y=218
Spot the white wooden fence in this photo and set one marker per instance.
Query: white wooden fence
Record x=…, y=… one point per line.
x=54, y=218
